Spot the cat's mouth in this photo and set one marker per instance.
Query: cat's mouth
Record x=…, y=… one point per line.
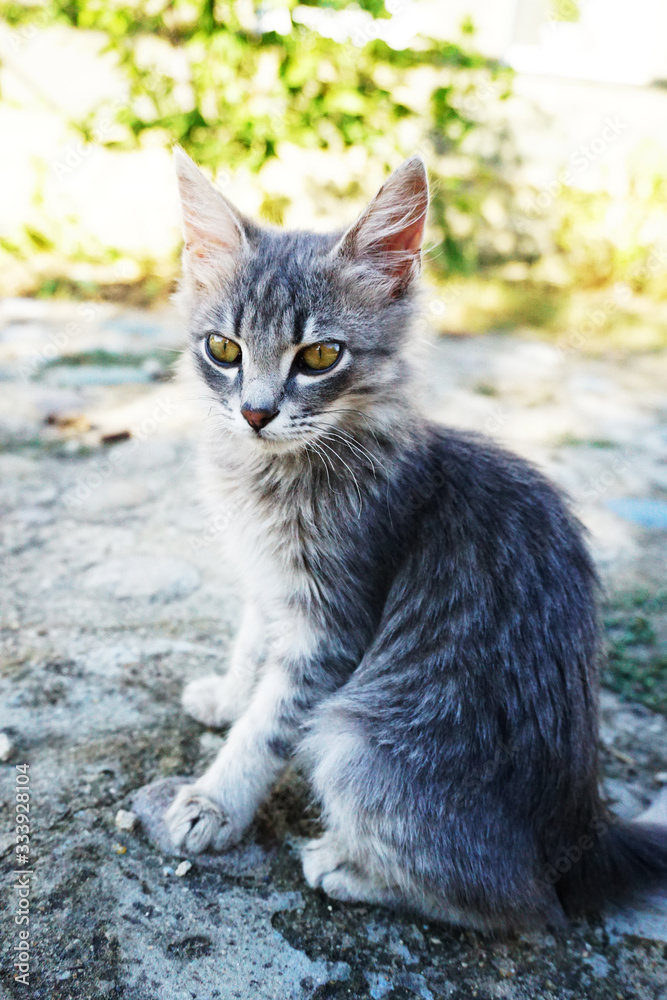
x=312, y=433
x=271, y=443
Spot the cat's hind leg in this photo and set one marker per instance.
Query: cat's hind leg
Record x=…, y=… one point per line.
x=350, y=862
x=386, y=845
x=322, y=856
x=328, y=865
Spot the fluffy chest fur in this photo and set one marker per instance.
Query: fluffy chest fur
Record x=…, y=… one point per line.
x=322, y=539
x=277, y=529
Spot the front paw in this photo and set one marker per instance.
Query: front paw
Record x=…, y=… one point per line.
x=196, y=823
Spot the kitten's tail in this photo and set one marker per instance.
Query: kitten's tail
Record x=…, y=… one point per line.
x=615, y=862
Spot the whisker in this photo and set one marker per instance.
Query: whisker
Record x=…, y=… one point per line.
x=357, y=451
x=310, y=464
x=354, y=478
x=335, y=432
x=360, y=413
x=338, y=433
x=324, y=460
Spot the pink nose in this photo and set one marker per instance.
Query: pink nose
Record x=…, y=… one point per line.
x=258, y=418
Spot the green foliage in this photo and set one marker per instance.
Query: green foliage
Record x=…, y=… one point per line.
x=603, y=239
x=636, y=665
x=230, y=82
x=565, y=10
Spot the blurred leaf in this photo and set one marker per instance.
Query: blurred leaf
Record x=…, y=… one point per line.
x=240, y=92
x=38, y=240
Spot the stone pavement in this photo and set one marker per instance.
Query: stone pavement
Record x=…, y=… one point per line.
x=113, y=596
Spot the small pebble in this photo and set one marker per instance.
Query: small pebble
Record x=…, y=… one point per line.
x=6, y=747
x=506, y=968
x=167, y=870
x=125, y=820
x=183, y=869
x=661, y=777
x=120, y=849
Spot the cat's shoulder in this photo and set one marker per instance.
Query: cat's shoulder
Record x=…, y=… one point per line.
x=483, y=467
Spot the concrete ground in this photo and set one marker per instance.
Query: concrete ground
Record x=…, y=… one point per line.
x=113, y=596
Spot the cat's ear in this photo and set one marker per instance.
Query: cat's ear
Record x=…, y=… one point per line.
x=386, y=239
x=213, y=231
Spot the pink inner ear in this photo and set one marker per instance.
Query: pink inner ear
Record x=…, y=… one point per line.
x=202, y=244
x=397, y=253
x=409, y=239
x=389, y=234
x=213, y=240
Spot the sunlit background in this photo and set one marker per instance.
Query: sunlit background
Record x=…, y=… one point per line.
x=543, y=124
x=544, y=127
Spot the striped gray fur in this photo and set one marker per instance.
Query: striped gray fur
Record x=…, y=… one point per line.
x=420, y=630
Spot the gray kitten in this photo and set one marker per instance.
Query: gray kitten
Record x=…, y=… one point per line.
x=420, y=628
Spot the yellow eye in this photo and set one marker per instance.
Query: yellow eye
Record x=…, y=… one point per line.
x=319, y=357
x=222, y=349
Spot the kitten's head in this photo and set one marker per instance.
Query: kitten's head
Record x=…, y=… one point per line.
x=295, y=333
